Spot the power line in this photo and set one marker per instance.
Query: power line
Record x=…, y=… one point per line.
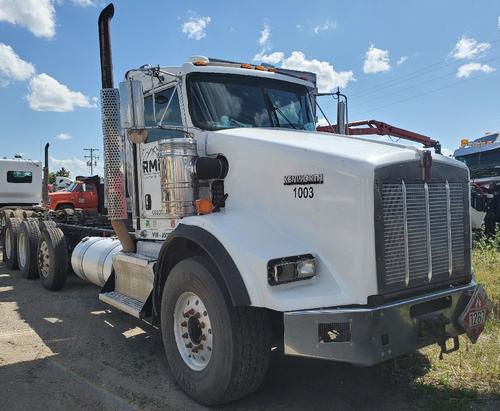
x=402, y=90
x=421, y=94
x=92, y=159
x=414, y=74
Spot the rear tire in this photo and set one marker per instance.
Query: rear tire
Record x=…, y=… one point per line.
x=234, y=342
x=27, y=245
x=52, y=258
x=10, y=242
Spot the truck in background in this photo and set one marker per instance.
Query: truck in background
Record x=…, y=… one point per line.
x=20, y=182
x=85, y=193
x=482, y=157
x=236, y=227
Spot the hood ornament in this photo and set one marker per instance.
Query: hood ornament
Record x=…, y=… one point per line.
x=426, y=165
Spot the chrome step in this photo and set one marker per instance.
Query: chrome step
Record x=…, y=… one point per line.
x=122, y=302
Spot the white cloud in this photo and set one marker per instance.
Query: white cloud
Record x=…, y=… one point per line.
x=38, y=16
x=327, y=25
x=328, y=77
x=195, y=27
x=47, y=94
x=85, y=3
x=322, y=122
x=273, y=58
x=467, y=69
x=468, y=48
x=376, y=60
x=402, y=60
x=64, y=136
x=265, y=34
x=13, y=67
x=74, y=165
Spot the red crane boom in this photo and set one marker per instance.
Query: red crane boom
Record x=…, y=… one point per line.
x=374, y=127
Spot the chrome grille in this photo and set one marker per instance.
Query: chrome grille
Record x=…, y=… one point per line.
x=424, y=233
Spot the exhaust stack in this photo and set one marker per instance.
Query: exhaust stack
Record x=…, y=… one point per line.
x=45, y=186
x=114, y=174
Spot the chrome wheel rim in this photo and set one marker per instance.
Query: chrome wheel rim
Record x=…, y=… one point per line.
x=8, y=243
x=193, y=331
x=43, y=259
x=22, y=248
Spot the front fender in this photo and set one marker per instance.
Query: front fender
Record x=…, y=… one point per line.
x=252, y=241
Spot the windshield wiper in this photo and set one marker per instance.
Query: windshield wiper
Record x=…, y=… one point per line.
x=274, y=109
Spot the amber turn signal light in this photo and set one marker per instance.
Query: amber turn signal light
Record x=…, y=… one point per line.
x=204, y=206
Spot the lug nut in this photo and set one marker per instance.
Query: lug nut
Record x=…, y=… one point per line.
x=185, y=335
x=184, y=324
x=188, y=313
x=189, y=345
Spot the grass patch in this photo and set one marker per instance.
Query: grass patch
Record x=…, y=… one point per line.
x=470, y=377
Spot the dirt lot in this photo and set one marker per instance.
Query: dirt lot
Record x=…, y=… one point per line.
x=66, y=350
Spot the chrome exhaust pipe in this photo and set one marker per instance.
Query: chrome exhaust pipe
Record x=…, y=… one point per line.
x=114, y=174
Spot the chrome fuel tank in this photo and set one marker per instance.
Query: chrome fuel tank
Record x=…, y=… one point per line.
x=92, y=258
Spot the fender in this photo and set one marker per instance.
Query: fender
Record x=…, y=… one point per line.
x=214, y=249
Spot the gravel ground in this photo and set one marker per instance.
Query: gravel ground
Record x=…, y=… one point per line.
x=66, y=350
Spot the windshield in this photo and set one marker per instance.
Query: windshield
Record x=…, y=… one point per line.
x=484, y=163
x=71, y=187
x=219, y=101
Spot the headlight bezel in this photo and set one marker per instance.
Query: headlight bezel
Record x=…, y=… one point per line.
x=286, y=270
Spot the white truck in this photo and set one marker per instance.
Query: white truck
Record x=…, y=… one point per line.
x=20, y=182
x=240, y=228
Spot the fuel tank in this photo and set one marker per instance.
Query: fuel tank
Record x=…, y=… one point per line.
x=92, y=258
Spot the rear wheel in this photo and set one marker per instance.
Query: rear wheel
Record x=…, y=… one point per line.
x=217, y=352
x=52, y=258
x=27, y=244
x=10, y=241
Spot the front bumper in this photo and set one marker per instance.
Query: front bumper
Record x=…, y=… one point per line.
x=367, y=336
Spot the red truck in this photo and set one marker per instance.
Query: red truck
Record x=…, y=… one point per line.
x=83, y=193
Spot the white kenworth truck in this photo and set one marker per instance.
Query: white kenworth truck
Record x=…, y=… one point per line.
x=238, y=228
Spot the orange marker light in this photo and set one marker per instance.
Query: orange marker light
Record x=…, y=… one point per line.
x=204, y=206
x=200, y=63
x=247, y=66
x=261, y=68
x=272, y=70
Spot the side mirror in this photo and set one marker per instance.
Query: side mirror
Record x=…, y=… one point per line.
x=132, y=111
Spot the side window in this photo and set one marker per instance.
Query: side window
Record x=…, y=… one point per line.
x=167, y=117
x=79, y=188
x=19, y=177
x=88, y=187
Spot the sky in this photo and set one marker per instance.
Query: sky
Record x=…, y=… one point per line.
x=428, y=66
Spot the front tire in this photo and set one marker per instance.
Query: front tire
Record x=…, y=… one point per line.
x=217, y=352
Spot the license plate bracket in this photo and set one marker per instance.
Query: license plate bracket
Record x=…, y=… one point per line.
x=475, y=314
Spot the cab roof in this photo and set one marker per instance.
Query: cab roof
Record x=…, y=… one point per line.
x=212, y=65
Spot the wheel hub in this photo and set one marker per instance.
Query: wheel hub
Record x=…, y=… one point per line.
x=193, y=331
x=43, y=259
x=22, y=248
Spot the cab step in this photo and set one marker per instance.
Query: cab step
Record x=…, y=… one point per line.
x=124, y=303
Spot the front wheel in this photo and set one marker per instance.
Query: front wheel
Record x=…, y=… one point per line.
x=217, y=352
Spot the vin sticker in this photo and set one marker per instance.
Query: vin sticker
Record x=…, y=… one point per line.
x=303, y=179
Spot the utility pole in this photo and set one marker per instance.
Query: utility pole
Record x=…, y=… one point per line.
x=92, y=162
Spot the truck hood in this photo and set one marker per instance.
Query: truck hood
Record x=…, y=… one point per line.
x=355, y=149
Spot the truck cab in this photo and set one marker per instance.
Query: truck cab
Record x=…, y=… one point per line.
x=79, y=194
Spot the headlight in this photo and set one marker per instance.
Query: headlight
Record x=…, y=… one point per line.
x=287, y=269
